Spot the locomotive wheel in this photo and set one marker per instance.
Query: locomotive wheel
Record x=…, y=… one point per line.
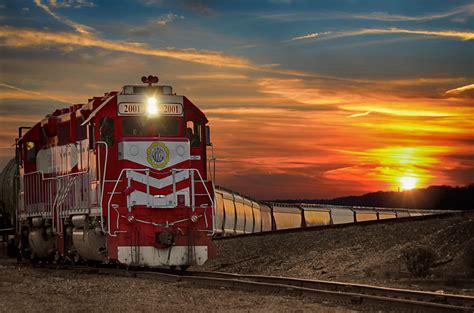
x=57, y=258
x=183, y=268
x=76, y=258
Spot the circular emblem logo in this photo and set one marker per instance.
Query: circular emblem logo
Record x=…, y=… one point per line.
x=158, y=154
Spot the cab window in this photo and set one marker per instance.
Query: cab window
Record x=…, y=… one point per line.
x=63, y=133
x=107, y=130
x=193, y=132
x=142, y=126
x=81, y=132
x=30, y=152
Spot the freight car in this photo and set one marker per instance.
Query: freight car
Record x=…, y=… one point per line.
x=8, y=185
x=232, y=219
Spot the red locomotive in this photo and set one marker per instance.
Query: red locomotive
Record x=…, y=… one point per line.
x=121, y=179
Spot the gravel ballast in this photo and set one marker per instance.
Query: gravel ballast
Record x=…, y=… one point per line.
x=370, y=254
x=27, y=289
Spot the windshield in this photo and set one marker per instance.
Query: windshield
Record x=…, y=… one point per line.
x=143, y=126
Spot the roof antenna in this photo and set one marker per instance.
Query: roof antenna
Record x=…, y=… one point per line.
x=150, y=80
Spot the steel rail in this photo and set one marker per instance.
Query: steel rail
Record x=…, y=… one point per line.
x=396, y=293
x=324, y=291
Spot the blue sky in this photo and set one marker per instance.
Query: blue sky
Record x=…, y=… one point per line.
x=349, y=96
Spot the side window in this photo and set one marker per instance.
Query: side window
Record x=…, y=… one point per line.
x=81, y=133
x=63, y=133
x=30, y=152
x=107, y=131
x=91, y=136
x=193, y=132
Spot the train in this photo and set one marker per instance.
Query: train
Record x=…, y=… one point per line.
x=122, y=179
x=125, y=178
x=237, y=214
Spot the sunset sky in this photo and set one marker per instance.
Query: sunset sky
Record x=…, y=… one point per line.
x=306, y=99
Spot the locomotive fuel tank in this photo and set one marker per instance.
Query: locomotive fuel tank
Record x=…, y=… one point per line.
x=41, y=238
x=89, y=242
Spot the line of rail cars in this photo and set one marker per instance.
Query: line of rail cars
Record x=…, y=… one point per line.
x=236, y=214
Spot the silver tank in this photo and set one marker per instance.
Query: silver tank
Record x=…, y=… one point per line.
x=89, y=243
x=41, y=244
x=8, y=187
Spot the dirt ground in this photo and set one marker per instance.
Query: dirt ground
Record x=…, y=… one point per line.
x=364, y=254
x=26, y=289
x=370, y=254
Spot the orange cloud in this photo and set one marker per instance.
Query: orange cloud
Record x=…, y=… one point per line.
x=390, y=164
x=359, y=114
x=463, y=91
x=388, y=141
x=293, y=135
x=82, y=29
x=213, y=76
x=26, y=94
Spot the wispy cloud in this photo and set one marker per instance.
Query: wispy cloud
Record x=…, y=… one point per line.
x=213, y=76
x=31, y=93
x=152, y=26
x=465, y=10
x=309, y=36
x=72, y=4
x=86, y=30
x=383, y=16
x=463, y=91
x=462, y=35
x=200, y=7
x=24, y=37
x=359, y=114
x=398, y=109
x=21, y=37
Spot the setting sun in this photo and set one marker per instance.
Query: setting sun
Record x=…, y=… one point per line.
x=408, y=182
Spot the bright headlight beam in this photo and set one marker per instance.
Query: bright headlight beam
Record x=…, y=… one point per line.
x=152, y=106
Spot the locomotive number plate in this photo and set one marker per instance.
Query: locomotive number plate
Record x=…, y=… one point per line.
x=174, y=109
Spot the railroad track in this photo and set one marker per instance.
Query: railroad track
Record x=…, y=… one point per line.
x=323, y=291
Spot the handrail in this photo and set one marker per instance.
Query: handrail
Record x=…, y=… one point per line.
x=103, y=178
x=60, y=192
x=205, y=187
x=112, y=195
x=213, y=215
x=147, y=170
x=212, y=159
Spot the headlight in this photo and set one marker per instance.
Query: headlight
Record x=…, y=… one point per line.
x=152, y=106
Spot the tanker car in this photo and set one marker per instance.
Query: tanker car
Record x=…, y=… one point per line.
x=124, y=178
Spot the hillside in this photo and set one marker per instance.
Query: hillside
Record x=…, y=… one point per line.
x=433, y=198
